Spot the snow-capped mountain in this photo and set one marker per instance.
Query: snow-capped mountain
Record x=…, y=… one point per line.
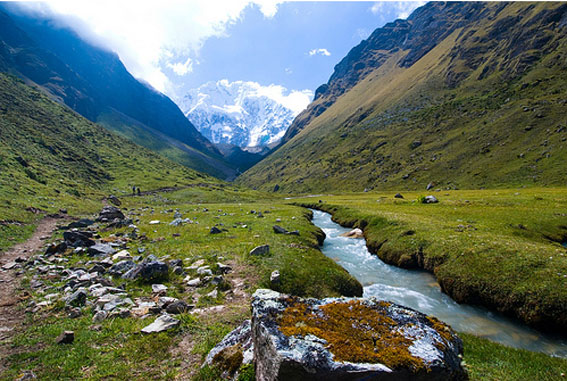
x=244, y=114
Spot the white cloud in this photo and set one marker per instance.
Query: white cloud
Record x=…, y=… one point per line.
x=323, y=52
x=149, y=36
x=181, y=68
x=295, y=100
x=402, y=8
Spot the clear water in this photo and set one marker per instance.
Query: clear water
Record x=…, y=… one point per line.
x=419, y=290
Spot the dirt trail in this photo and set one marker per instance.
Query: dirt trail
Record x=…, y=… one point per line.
x=11, y=316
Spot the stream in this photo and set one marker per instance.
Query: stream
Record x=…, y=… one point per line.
x=419, y=290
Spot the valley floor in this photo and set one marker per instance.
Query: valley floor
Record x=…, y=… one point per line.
x=467, y=236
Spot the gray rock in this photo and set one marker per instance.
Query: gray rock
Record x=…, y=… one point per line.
x=101, y=249
x=162, y=323
x=110, y=213
x=99, y=316
x=67, y=337
x=178, y=307
x=279, y=230
x=176, y=222
x=204, y=270
x=74, y=312
x=215, y=230
x=194, y=282
x=223, y=269
x=77, y=299
x=398, y=195
x=148, y=271
x=213, y=294
x=431, y=200
x=275, y=278
x=78, y=239
x=159, y=289
x=240, y=340
x=113, y=199
x=429, y=186
x=434, y=348
x=119, y=268
x=260, y=250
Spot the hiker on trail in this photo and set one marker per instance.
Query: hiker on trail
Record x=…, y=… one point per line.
x=139, y=191
x=134, y=189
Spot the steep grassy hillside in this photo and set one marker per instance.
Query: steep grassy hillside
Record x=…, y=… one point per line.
x=51, y=158
x=95, y=83
x=461, y=95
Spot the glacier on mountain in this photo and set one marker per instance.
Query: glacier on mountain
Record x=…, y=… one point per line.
x=244, y=114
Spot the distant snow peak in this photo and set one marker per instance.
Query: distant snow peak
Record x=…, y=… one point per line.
x=245, y=114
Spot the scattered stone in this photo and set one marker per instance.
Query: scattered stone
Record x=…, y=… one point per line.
x=159, y=289
x=260, y=250
x=154, y=222
x=279, y=230
x=176, y=222
x=101, y=249
x=429, y=186
x=113, y=199
x=9, y=265
x=77, y=299
x=178, y=307
x=194, y=282
x=109, y=214
x=82, y=223
x=162, y=323
x=354, y=233
x=148, y=271
x=120, y=268
x=67, y=337
x=213, y=294
x=215, y=230
x=398, y=195
x=431, y=200
x=74, y=313
x=275, y=279
x=223, y=269
x=99, y=316
x=78, y=239
x=205, y=270
x=55, y=248
x=121, y=255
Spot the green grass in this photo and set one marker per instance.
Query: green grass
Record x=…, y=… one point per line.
x=489, y=361
x=499, y=248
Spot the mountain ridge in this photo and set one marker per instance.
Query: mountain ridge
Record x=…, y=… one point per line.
x=488, y=95
x=237, y=113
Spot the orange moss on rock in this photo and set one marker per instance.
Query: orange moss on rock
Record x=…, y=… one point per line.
x=354, y=332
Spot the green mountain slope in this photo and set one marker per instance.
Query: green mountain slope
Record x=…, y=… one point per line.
x=95, y=83
x=51, y=157
x=461, y=95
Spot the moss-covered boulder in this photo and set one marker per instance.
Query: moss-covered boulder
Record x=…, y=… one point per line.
x=349, y=339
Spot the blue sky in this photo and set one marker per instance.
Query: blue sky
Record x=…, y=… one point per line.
x=276, y=50
x=177, y=45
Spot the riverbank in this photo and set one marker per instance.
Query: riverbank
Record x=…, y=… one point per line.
x=496, y=248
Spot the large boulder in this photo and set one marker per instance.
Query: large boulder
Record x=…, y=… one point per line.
x=349, y=339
